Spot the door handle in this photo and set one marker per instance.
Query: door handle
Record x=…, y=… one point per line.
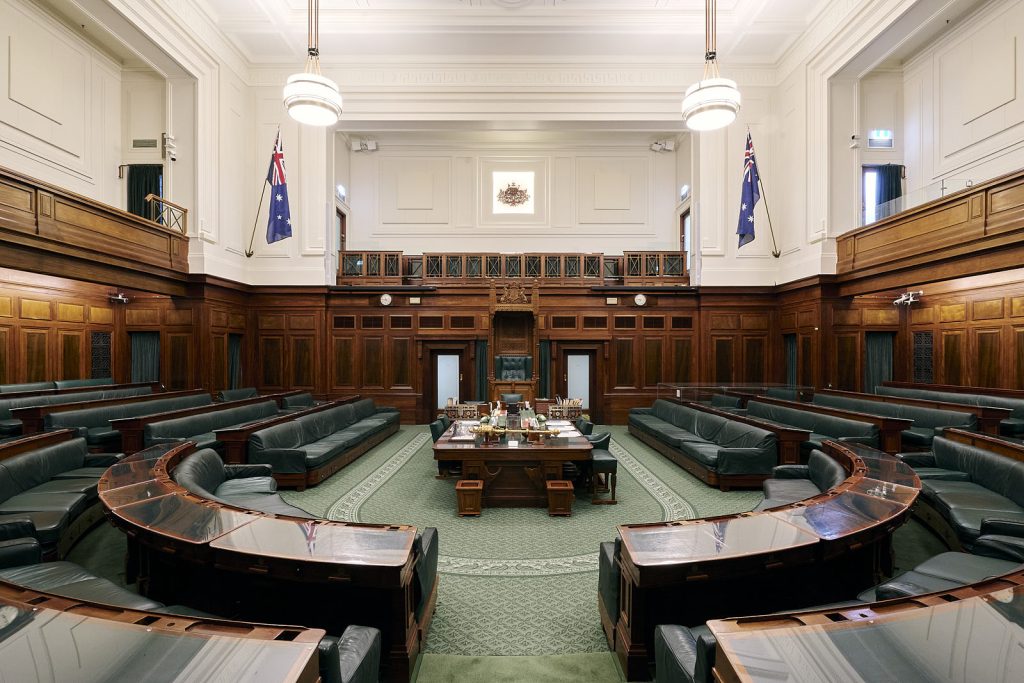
x=567, y=378
x=460, y=376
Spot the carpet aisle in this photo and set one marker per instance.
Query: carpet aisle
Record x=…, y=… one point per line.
x=514, y=581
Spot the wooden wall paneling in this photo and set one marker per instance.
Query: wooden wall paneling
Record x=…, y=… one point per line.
x=271, y=361
x=755, y=359
x=177, y=365
x=806, y=360
x=219, y=366
x=1018, y=356
x=400, y=363
x=34, y=351
x=373, y=362
x=71, y=357
x=6, y=354
x=303, y=360
x=653, y=361
x=344, y=363
x=623, y=362
x=683, y=357
x=847, y=361
x=986, y=358
x=723, y=359
x=953, y=351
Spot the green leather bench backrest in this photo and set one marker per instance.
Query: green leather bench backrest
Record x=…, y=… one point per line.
x=238, y=394
x=995, y=472
x=303, y=400
x=101, y=416
x=40, y=466
x=824, y=471
x=923, y=417
x=51, y=399
x=316, y=426
x=364, y=409
x=723, y=401
x=1014, y=404
x=284, y=435
x=783, y=393
x=191, y=425
x=72, y=383
x=816, y=422
x=28, y=386
x=739, y=435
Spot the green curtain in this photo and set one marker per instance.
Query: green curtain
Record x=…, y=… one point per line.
x=890, y=187
x=544, y=369
x=877, y=359
x=789, y=340
x=145, y=356
x=234, y=361
x=143, y=179
x=481, y=370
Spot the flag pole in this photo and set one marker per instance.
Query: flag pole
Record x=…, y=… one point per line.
x=249, y=252
x=775, y=247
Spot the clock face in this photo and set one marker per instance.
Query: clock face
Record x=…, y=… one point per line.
x=640, y=299
x=385, y=299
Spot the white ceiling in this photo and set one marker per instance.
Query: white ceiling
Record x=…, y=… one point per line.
x=273, y=32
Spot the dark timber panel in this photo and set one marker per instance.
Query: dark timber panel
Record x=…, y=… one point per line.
x=683, y=357
x=344, y=362
x=623, y=352
x=753, y=359
x=272, y=361
x=952, y=358
x=35, y=355
x=178, y=366
x=846, y=362
x=373, y=362
x=401, y=362
x=723, y=349
x=987, y=355
x=71, y=355
x=652, y=361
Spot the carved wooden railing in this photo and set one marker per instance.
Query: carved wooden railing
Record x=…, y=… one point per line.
x=986, y=216
x=649, y=268
x=39, y=217
x=166, y=212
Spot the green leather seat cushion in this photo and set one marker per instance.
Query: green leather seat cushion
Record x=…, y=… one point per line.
x=102, y=436
x=937, y=474
x=70, y=580
x=244, y=485
x=49, y=524
x=789, y=490
x=703, y=452
x=320, y=453
x=72, y=503
x=85, y=486
x=11, y=426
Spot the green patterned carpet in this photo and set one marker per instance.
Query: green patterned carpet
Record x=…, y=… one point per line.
x=513, y=581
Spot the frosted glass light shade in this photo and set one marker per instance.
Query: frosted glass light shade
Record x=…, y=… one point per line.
x=711, y=104
x=312, y=99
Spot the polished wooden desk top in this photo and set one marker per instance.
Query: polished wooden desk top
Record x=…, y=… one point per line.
x=560, y=448
x=89, y=642
x=141, y=497
x=943, y=637
x=861, y=504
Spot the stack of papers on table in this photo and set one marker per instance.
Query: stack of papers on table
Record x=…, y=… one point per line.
x=559, y=423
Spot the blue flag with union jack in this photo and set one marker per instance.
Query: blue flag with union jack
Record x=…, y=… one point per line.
x=279, y=224
x=750, y=195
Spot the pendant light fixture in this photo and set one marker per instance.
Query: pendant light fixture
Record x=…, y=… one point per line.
x=713, y=101
x=309, y=97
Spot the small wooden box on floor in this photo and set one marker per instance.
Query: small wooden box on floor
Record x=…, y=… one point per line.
x=470, y=494
x=559, y=497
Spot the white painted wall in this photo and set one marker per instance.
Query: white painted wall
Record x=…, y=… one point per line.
x=600, y=192
x=60, y=104
x=964, y=100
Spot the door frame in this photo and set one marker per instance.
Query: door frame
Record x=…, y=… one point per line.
x=560, y=367
x=430, y=350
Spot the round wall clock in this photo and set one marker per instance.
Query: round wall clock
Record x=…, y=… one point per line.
x=640, y=299
x=385, y=299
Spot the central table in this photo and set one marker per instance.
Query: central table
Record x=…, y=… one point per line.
x=512, y=476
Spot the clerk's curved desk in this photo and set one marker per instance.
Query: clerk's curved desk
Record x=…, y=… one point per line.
x=973, y=633
x=45, y=637
x=251, y=565
x=816, y=551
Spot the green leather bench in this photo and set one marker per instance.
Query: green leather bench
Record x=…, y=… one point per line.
x=307, y=450
x=821, y=426
x=965, y=487
x=352, y=658
x=792, y=483
x=200, y=428
x=927, y=421
x=75, y=383
x=11, y=425
x=246, y=486
x=294, y=402
x=718, y=450
x=1011, y=426
x=94, y=423
x=228, y=395
x=54, y=489
x=27, y=386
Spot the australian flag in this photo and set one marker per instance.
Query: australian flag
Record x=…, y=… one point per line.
x=750, y=196
x=279, y=225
